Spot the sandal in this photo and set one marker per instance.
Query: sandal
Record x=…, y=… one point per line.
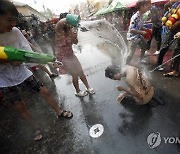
x=81, y=93
x=66, y=114
x=90, y=91
x=171, y=74
x=37, y=135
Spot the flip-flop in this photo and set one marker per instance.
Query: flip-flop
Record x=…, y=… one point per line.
x=37, y=135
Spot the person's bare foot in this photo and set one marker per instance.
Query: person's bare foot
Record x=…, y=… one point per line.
x=37, y=135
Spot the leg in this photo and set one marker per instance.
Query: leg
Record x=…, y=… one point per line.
x=175, y=63
x=12, y=95
x=78, y=92
x=50, y=100
x=142, y=44
x=131, y=49
x=149, y=43
x=76, y=83
x=161, y=55
x=84, y=80
x=164, y=49
x=158, y=37
x=20, y=107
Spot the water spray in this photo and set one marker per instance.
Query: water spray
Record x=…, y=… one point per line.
x=164, y=63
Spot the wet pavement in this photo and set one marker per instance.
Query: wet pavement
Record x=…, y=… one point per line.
x=126, y=126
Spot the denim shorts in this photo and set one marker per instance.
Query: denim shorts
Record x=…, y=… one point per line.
x=14, y=94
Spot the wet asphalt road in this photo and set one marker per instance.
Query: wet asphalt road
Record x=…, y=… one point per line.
x=126, y=126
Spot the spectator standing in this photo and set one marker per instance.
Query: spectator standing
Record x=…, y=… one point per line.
x=169, y=37
x=66, y=36
x=137, y=31
x=14, y=76
x=176, y=61
x=155, y=17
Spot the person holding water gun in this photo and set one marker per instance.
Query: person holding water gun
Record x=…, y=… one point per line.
x=170, y=21
x=176, y=58
x=14, y=76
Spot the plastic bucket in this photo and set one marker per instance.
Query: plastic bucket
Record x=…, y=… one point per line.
x=147, y=36
x=72, y=19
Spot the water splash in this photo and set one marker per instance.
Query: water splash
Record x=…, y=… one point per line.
x=107, y=39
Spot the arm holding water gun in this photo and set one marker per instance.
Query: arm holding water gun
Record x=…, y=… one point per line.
x=14, y=54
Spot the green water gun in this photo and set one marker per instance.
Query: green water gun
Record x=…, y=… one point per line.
x=14, y=54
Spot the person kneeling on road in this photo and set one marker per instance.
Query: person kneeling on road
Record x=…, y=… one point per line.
x=139, y=86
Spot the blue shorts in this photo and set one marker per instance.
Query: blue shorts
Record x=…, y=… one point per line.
x=14, y=94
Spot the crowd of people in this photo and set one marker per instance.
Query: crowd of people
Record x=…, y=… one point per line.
x=16, y=76
x=137, y=32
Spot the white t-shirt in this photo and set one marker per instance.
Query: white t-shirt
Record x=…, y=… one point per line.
x=13, y=75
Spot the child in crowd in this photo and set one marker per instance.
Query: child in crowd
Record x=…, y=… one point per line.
x=14, y=75
x=66, y=36
x=139, y=86
x=137, y=31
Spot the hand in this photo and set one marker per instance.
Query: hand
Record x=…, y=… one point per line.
x=120, y=97
x=139, y=97
x=143, y=33
x=16, y=63
x=120, y=88
x=177, y=35
x=57, y=64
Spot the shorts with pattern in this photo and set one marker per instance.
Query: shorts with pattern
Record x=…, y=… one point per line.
x=14, y=94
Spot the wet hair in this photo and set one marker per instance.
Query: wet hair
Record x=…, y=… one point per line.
x=141, y=3
x=8, y=7
x=62, y=26
x=110, y=71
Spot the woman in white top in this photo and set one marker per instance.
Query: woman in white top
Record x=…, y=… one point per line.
x=14, y=76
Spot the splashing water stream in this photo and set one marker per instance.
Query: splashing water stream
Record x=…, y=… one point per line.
x=105, y=38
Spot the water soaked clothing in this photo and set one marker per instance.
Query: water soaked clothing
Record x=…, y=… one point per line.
x=64, y=53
